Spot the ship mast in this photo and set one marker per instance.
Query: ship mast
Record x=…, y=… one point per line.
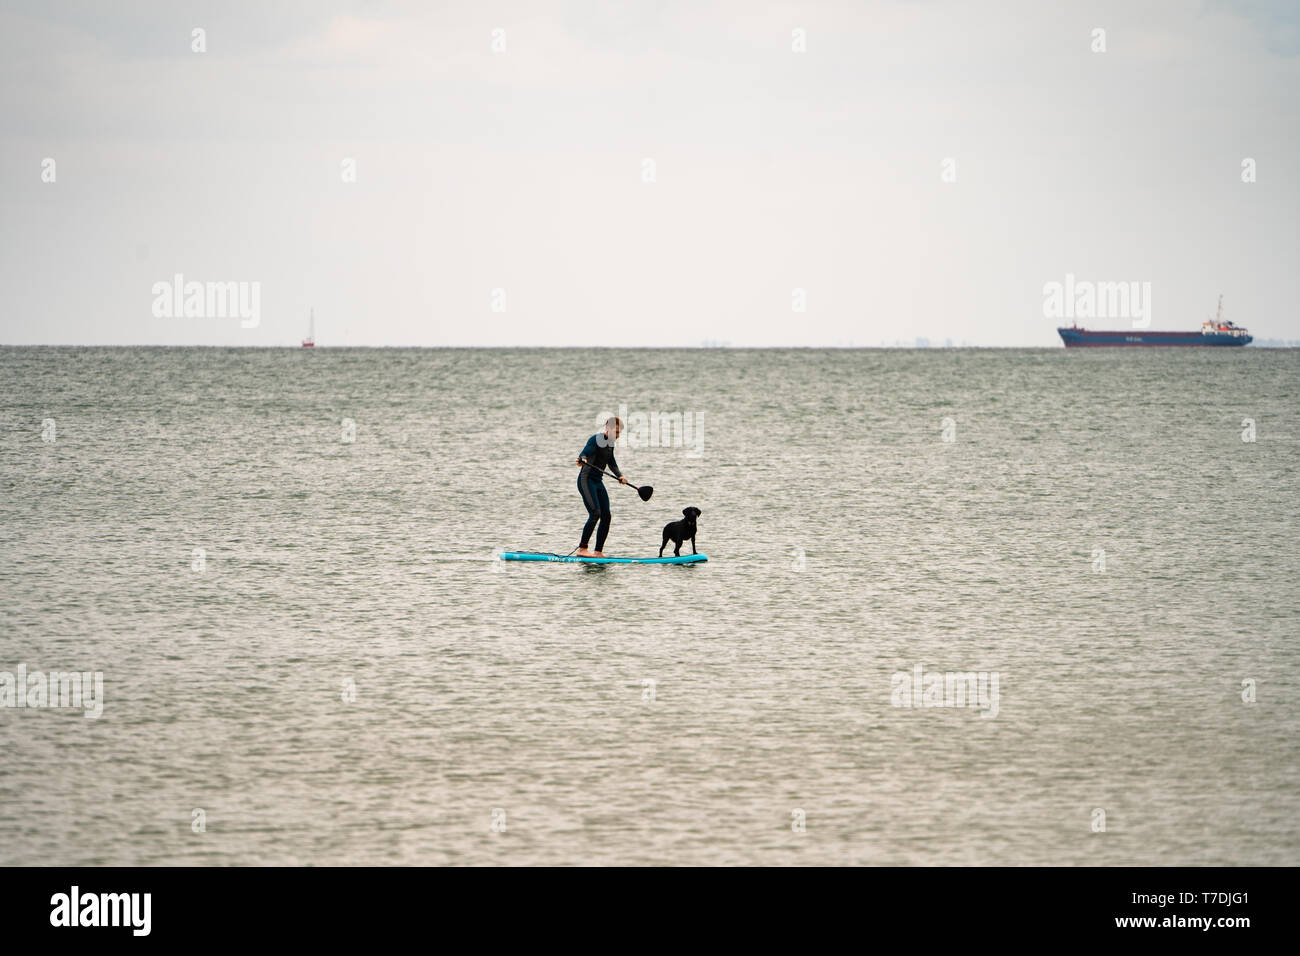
x=1218, y=316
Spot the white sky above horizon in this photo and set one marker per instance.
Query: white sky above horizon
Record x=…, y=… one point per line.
x=522, y=170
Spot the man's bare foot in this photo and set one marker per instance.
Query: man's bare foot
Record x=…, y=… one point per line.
x=584, y=553
x=598, y=554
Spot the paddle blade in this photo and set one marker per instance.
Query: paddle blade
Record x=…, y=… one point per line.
x=645, y=491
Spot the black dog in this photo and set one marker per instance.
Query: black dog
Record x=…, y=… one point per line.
x=679, y=531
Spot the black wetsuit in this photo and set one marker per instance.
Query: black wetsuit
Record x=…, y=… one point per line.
x=599, y=453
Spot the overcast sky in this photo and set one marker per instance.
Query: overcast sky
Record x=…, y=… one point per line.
x=524, y=170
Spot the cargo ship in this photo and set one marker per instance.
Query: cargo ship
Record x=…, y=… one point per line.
x=1214, y=331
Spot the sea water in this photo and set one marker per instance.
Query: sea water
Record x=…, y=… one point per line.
x=961, y=607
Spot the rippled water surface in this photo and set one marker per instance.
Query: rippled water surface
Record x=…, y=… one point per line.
x=656, y=715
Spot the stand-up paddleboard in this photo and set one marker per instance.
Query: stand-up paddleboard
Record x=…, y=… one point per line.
x=574, y=559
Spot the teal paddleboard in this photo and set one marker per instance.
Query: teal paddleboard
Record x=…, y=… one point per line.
x=574, y=559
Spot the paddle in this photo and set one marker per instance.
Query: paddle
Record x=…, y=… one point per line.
x=645, y=491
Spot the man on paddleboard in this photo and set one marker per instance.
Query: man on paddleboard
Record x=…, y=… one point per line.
x=596, y=456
